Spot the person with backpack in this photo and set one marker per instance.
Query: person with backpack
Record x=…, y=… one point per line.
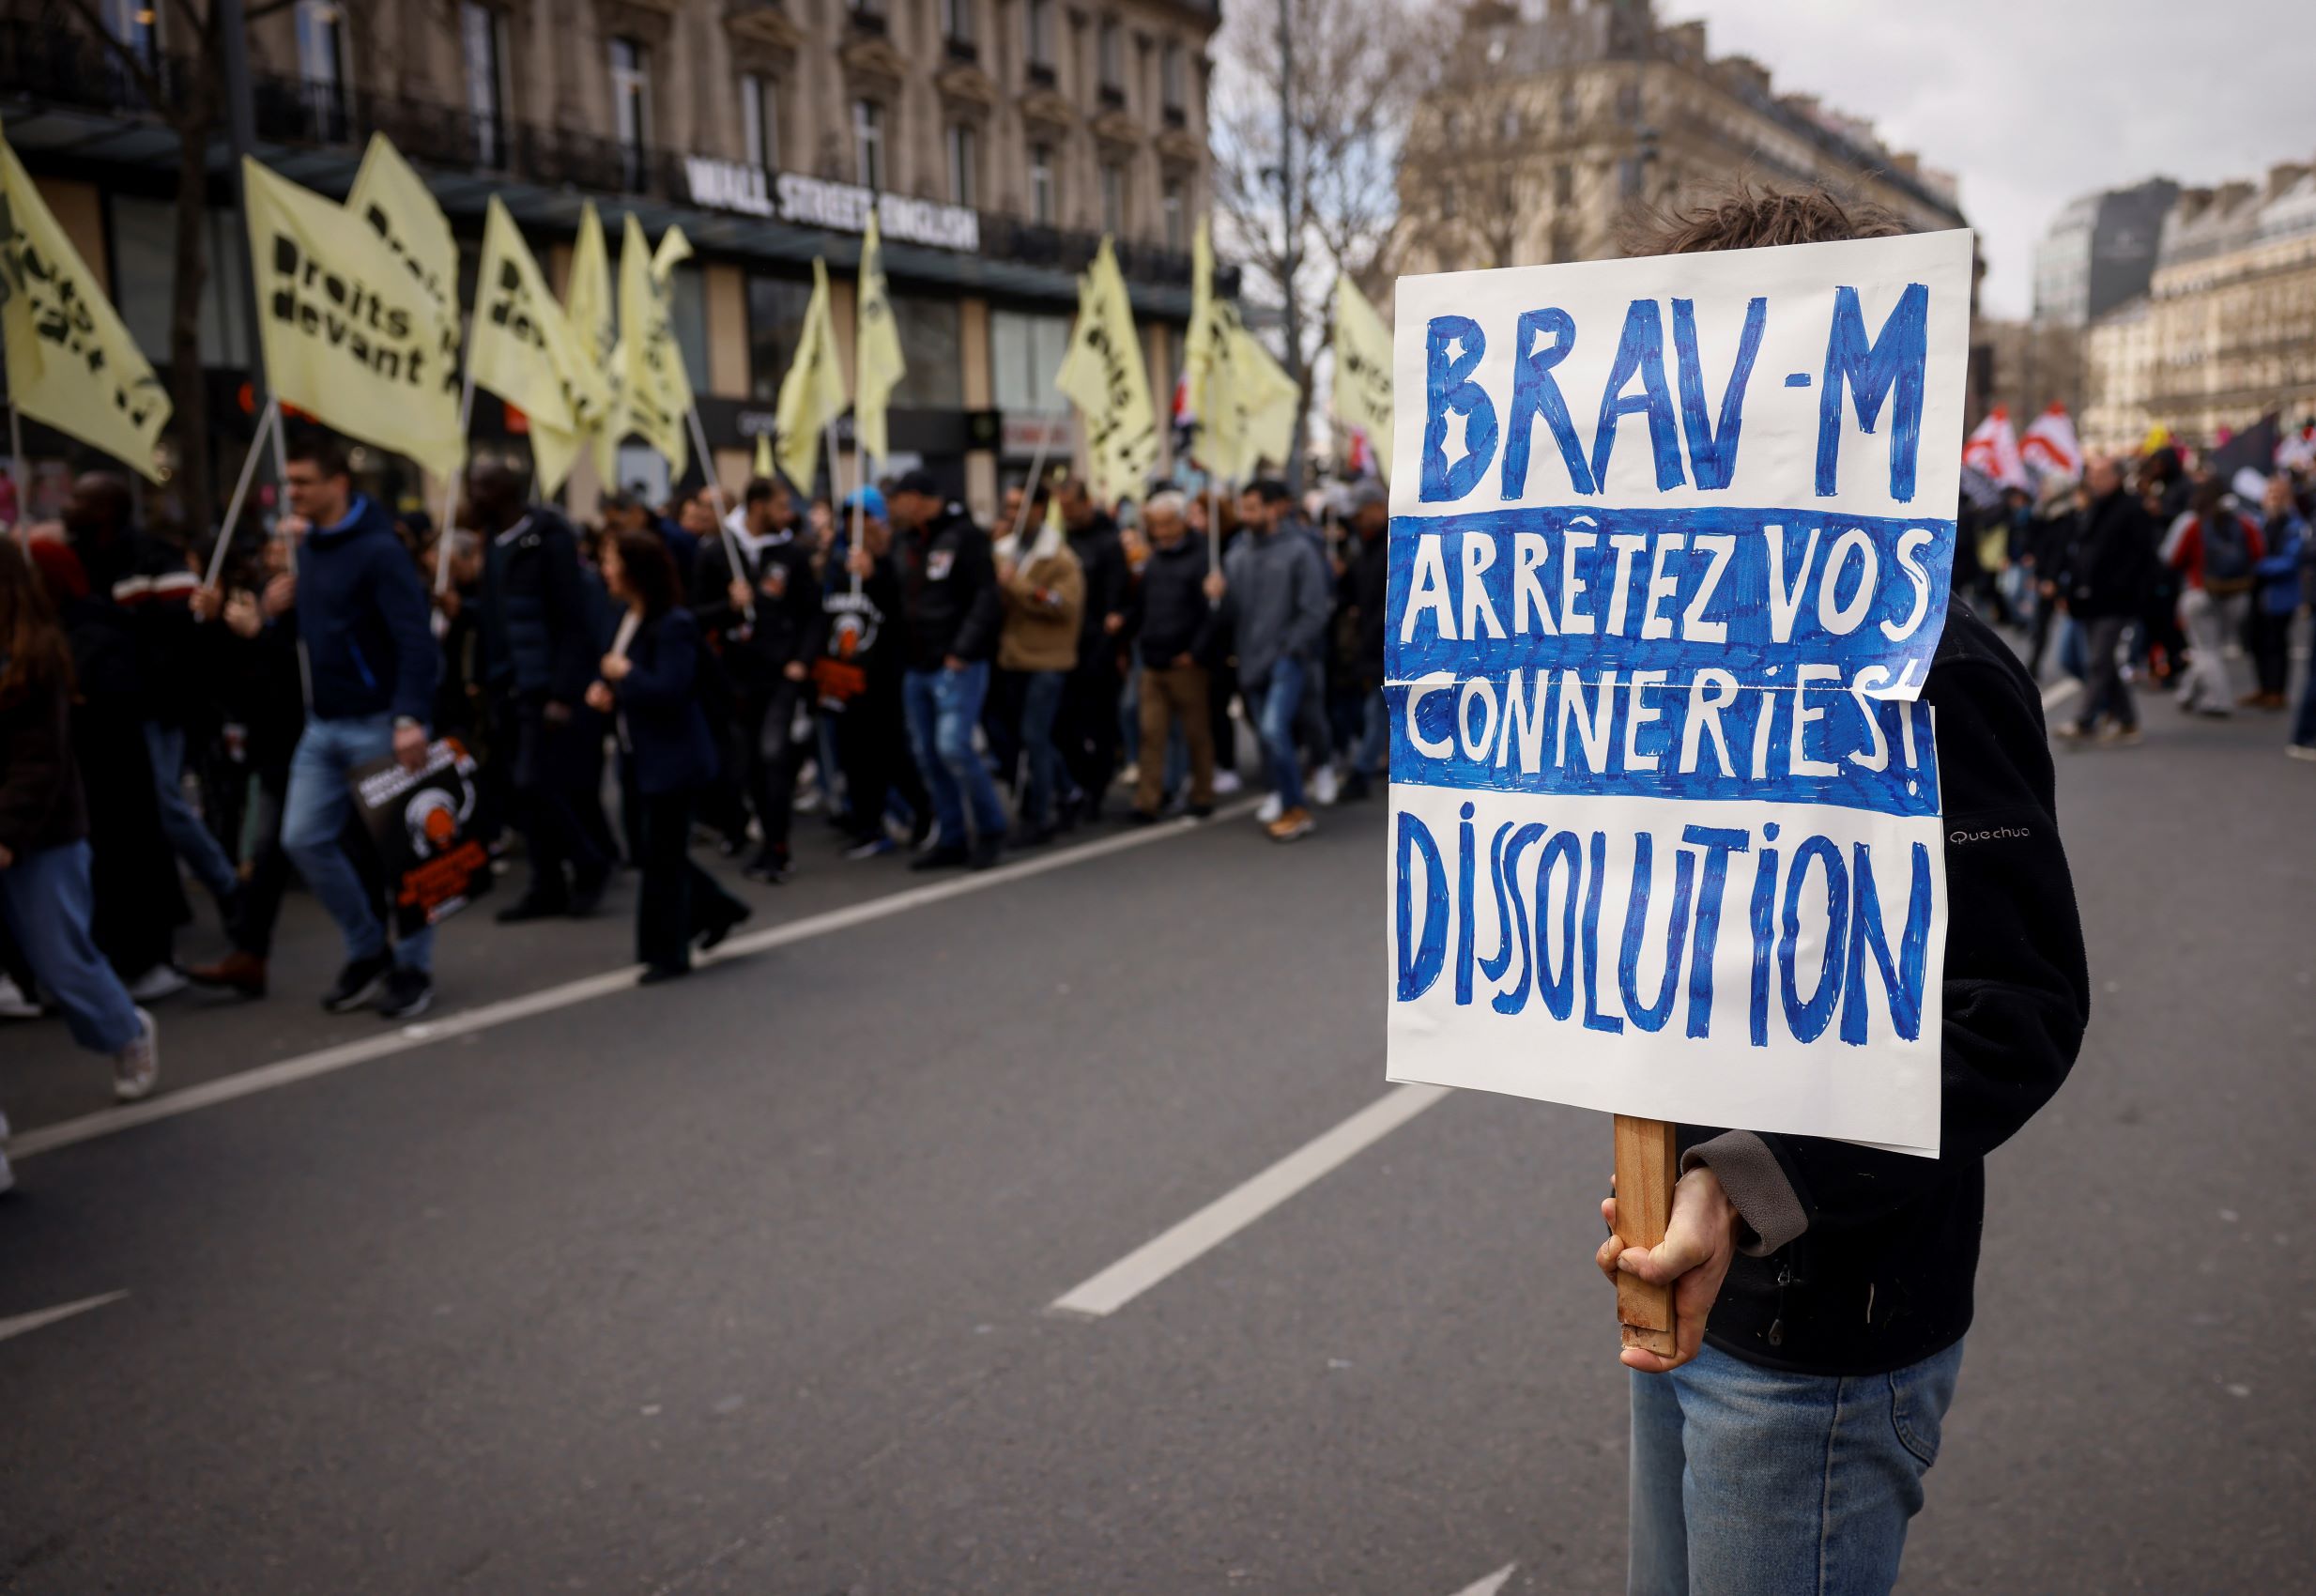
x=2213, y=550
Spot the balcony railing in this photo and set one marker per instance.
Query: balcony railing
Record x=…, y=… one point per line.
x=61, y=69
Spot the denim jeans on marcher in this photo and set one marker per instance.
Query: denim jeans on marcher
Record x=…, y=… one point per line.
x=1751, y=1482
x=46, y=903
x=1282, y=702
x=192, y=841
x=313, y=819
x=943, y=708
x=1041, y=700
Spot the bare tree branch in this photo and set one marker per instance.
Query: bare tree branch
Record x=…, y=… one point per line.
x=149, y=84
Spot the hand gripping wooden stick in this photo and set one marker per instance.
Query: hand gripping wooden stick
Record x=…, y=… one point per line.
x=1644, y=1161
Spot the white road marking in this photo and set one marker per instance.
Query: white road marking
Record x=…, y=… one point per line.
x=1491, y=1585
x=1239, y=1207
x=465, y=1022
x=24, y=1323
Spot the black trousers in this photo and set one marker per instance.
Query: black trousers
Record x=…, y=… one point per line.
x=548, y=771
x=1221, y=687
x=2271, y=648
x=269, y=867
x=1089, y=725
x=677, y=900
x=779, y=752
x=872, y=744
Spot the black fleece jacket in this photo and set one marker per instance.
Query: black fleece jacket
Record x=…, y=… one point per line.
x=1862, y=1261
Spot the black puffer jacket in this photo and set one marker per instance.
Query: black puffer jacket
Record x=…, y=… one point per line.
x=2112, y=561
x=536, y=634
x=949, y=598
x=1864, y=1260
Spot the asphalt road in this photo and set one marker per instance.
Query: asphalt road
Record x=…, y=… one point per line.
x=744, y=1284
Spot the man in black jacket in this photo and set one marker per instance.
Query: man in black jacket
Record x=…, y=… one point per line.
x=1821, y=1289
x=951, y=612
x=769, y=621
x=1363, y=593
x=538, y=657
x=1175, y=637
x=1089, y=719
x=2108, y=570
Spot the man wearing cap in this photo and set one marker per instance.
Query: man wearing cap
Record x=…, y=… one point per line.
x=950, y=614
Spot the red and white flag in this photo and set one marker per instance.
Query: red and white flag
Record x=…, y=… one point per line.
x=2050, y=444
x=1993, y=449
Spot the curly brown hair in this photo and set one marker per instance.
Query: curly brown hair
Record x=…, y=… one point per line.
x=1735, y=215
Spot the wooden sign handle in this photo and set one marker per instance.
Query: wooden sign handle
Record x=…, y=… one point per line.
x=1644, y=1165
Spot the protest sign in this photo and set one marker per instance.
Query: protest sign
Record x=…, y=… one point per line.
x=1670, y=558
x=420, y=821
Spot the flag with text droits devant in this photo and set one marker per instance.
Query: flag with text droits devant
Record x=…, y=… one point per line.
x=1103, y=375
x=70, y=360
x=351, y=335
x=523, y=349
x=878, y=362
x=656, y=391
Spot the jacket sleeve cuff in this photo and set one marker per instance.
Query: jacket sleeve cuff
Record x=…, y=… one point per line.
x=1756, y=1185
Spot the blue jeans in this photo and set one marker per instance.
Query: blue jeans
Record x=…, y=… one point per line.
x=1374, y=758
x=1751, y=1482
x=943, y=706
x=314, y=817
x=46, y=901
x=1042, y=700
x=194, y=841
x=1282, y=702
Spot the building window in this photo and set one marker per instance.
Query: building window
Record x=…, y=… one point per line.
x=1044, y=197
x=1106, y=63
x=144, y=251
x=870, y=14
x=868, y=144
x=135, y=24
x=964, y=164
x=1169, y=206
x=1025, y=352
x=1037, y=28
x=321, y=68
x=932, y=332
x=1113, y=197
x=759, y=121
x=775, y=327
x=482, y=41
x=1563, y=184
x=957, y=21
x=631, y=108
x=1170, y=78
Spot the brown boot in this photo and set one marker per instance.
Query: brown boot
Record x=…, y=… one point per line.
x=243, y=972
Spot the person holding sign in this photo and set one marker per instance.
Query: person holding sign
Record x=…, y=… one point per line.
x=371, y=654
x=1821, y=1288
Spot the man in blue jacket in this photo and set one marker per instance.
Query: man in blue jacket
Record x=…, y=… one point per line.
x=371, y=666
x=539, y=653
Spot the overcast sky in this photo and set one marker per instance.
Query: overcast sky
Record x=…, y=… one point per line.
x=2032, y=103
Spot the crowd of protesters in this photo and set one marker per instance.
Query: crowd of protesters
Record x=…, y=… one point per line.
x=2149, y=575
x=674, y=678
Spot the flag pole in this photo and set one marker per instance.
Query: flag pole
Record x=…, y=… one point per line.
x=723, y=522
x=836, y=488
x=450, y=491
x=280, y=475
x=241, y=489
x=1029, y=486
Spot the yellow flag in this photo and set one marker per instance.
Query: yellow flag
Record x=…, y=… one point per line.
x=587, y=305
x=1363, y=371
x=522, y=348
x=812, y=392
x=674, y=249
x=351, y=336
x=878, y=364
x=1264, y=400
x=1202, y=347
x=763, y=455
x=70, y=361
x=395, y=204
x=657, y=392
x=1104, y=376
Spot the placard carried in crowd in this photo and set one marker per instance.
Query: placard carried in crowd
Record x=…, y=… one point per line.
x=1669, y=557
x=422, y=822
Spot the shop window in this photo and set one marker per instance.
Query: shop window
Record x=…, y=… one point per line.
x=931, y=331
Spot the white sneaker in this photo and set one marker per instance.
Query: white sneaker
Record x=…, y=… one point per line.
x=14, y=1005
x=137, y=1066
x=1325, y=786
x=1269, y=810
x=162, y=980
x=1226, y=782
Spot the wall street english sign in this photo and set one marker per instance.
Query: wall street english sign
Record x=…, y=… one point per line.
x=815, y=202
